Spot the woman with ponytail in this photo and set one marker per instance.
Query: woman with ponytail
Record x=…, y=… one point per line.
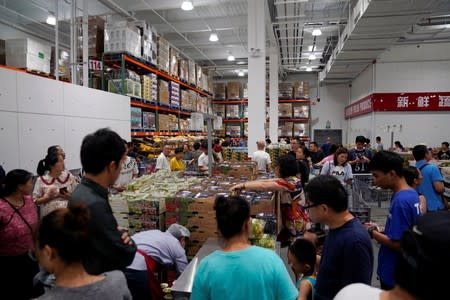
x=239, y=270
x=18, y=221
x=54, y=185
x=61, y=248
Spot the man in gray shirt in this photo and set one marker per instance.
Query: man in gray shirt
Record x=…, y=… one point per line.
x=102, y=155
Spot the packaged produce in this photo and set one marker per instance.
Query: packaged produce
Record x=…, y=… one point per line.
x=266, y=241
x=257, y=229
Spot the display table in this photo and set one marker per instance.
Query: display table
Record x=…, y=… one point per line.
x=182, y=287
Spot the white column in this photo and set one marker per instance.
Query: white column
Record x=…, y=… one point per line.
x=273, y=93
x=256, y=73
x=56, y=40
x=85, y=44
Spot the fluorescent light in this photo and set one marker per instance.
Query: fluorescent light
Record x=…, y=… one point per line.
x=241, y=74
x=213, y=37
x=316, y=32
x=308, y=69
x=51, y=20
x=230, y=57
x=187, y=5
x=310, y=48
x=312, y=56
x=240, y=63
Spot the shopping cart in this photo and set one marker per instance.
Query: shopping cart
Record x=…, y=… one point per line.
x=369, y=194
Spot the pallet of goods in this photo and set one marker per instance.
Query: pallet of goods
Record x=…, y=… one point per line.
x=96, y=37
x=163, y=92
x=163, y=55
x=122, y=37
x=174, y=94
x=149, y=87
x=300, y=111
x=285, y=110
x=27, y=53
x=131, y=84
x=285, y=90
x=183, y=69
x=149, y=120
x=174, y=56
x=301, y=90
x=149, y=44
x=233, y=90
x=232, y=112
x=219, y=91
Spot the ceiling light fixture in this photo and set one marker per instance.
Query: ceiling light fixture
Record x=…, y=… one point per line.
x=308, y=69
x=312, y=56
x=230, y=57
x=213, y=37
x=51, y=20
x=241, y=74
x=187, y=5
x=240, y=63
x=316, y=32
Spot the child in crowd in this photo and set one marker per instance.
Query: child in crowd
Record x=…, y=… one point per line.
x=60, y=248
x=413, y=178
x=302, y=258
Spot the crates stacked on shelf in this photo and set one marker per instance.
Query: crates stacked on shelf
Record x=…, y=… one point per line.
x=174, y=56
x=245, y=90
x=219, y=91
x=235, y=153
x=301, y=90
x=285, y=110
x=163, y=92
x=232, y=112
x=219, y=110
x=163, y=55
x=149, y=120
x=149, y=85
x=184, y=125
x=145, y=212
x=122, y=37
x=300, y=110
x=285, y=129
x=301, y=129
x=163, y=122
x=96, y=36
x=136, y=118
x=193, y=99
x=233, y=90
x=149, y=45
x=29, y=54
x=202, y=104
x=276, y=150
x=131, y=84
x=174, y=94
x=183, y=69
x=285, y=90
x=192, y=75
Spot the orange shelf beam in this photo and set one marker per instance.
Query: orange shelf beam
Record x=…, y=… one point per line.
x=235, y=120
x=162, y=74
x=159, y=108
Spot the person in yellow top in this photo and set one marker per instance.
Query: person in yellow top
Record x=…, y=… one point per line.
x=177, y=163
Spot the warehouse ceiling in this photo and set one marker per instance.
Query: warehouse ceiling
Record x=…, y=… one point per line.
x=340, y=53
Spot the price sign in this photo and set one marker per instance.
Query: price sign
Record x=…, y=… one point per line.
x=95, y=65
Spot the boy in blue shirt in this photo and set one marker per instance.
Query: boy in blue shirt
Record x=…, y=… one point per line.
x=387, y=171
x=432, y=185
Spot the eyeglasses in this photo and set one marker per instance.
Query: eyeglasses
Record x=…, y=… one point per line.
x=311, y=205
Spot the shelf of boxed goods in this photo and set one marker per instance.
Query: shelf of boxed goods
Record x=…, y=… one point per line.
x=245, y=101
x=141, y=66
x=136, y=102
x=144, y=134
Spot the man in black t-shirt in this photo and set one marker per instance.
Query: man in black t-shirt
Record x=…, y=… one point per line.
x=445, y=152
x=359, y=157
x=315, y=153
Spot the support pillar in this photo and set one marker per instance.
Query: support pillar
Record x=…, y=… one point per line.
x=256, y=73
x=273, y=93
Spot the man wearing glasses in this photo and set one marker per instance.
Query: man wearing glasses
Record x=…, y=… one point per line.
x=347, y=255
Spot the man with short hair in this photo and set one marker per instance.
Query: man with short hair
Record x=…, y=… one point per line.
x=359, y=157
x=203, y=160
x=102, y=156
x=379, y=146
x=315, y=153
x=326, y=147
x=262, y=158
x=444, y=154
x=432, y=185
x=156, y=249
x=347, y=255
x=405, y=209
x=162, y=162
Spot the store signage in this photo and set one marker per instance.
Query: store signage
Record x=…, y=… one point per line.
x=359, y=108
x=378, y=102
x=95, y=65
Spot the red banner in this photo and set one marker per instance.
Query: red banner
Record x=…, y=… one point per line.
x=360, y=107
x=426, y=101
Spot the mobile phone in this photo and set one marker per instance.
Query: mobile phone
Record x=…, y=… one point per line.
x=63, y=190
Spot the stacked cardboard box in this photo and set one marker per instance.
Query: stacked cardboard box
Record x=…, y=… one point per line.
x=194, y=97
x=28, y=53
x=301, y=129
x=191, y=72
x=174, y=57
x=174, y=94
x=245, y=90
x=96, y=35
x=285, y=129
x=163, y=54
x=163, y=92
x=132, y=84
x=198, y=76
x=300, y=111
x=285, y=110
x=146, y=214
x=149, y=87
x=285, y=90
x=173, y=123
x=219, y=110
x=219, y=91
x=233, y=90
x=202, y=104
x=136, y=118
x=163, y=122
x=301, y=89
x=245, y=112
x=232, y=112
x=242, y=169
x=183, y=69
x=233, y=130
x=149, y=45
x=122, y=37
x=184, y=125
x=149, y=120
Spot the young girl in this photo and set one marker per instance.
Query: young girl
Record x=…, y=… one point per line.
x=61, y=247
x=302, y=258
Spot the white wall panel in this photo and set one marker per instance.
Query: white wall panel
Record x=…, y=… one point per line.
x=9, y=141
x=36, y=133
x=359, y=126
x=8, y=90
x=39, y=95
x=363, y=84
x=411, y=53
x=85, y=102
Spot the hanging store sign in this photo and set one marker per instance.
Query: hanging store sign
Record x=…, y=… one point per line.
x=379, y=102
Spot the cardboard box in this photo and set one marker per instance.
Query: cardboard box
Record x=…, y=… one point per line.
x=149, y=87
x=285, y=90
x=219, y=91
x=245, y=90
x=173, y=67
x=285, y=129
x=198, y=76
x=232, y=112
x=96, y=37
x=122, y=37
x=163, y=122
x=300, y=111
x=174, y=94
x=285, y=110
x=136, y=118
x=183, y=69
x=149, y=120
x=163, y=54
x=219, y=110
x=28, y=53
x=301, y=90
x=233, y=90
x=192, y=79
x=301, y=129
x=233, y=130
x=163, y=91
x=149, y=46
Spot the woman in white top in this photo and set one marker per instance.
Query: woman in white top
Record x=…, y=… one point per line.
x=423, y=255
x=339, y=167
x=54, y=184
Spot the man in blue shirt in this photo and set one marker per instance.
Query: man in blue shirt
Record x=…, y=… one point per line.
x=432, y=185
x=387, y=171
x=347, y=255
